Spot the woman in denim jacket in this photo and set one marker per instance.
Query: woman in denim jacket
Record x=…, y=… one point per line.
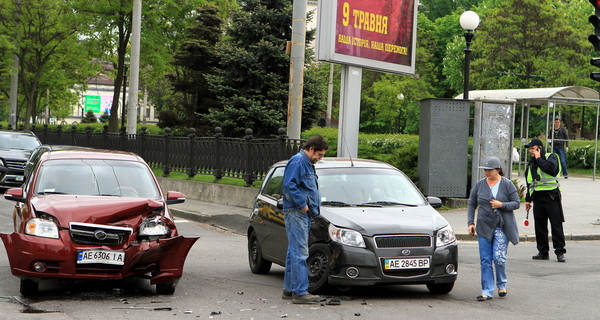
x=496, y=197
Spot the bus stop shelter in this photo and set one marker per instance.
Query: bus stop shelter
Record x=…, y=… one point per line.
x=574, y=96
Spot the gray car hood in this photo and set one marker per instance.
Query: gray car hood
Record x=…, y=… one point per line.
x=15, y=154
x=385, y=220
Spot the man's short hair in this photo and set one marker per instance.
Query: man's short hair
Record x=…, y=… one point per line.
x=317, y=143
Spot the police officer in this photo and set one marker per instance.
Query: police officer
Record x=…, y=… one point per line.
x=543, y=190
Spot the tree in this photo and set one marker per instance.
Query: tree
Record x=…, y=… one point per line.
x=381, y=109
x=197, y=56
x=435, y=9
x=163, y=25
x=252, y=81
x=89, y=117
x=50, y=55
x=525, y=44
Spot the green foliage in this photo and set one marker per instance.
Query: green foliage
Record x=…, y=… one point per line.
x=435, y=9
x=399, y=150
x=252, y=81
x=329, y=134
x=104, y=118
x=582, y=157
x=52, y=59
x=541, y=50
x=89, y=117
x=196, y=56
x=521, y=189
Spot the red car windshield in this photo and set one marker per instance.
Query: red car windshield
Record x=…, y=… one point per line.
x=96, y=178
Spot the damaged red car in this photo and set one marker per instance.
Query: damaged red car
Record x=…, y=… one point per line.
x=97, y=215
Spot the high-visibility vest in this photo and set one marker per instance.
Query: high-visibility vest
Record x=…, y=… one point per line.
x=547, y=182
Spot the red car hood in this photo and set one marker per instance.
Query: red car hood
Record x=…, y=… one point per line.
x=95, y=209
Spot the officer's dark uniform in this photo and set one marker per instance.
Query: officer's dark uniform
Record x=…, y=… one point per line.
x=543, y=190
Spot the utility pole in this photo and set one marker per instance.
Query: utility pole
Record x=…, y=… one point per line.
x=329, y=96
x=14, y=74
x=294, y=117
x=134, y=75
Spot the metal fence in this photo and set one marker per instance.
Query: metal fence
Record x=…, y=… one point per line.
x=246, y=158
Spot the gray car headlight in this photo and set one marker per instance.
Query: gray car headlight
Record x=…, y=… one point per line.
x=153, y=227
x=445, y=236
x=41, y=228
x=346, y=236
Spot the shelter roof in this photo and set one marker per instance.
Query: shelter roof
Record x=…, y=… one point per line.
x=567, y=95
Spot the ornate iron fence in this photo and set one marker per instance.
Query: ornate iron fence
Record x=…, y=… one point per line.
x=246, y=158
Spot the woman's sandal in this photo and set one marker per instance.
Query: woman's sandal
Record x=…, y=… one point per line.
x=502, y=293
x=484, y=298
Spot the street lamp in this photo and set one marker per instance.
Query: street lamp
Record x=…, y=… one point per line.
x=469, y=21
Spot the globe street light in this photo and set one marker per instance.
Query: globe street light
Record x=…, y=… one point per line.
x=469, y=21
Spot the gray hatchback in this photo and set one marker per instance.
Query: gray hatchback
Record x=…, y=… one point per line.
x=375, y=228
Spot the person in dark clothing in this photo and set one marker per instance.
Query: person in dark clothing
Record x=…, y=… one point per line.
x=560, y=144
x=543, y=194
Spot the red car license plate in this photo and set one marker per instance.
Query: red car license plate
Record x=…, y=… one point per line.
x=101, y=256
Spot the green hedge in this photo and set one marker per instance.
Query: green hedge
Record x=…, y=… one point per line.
x=399, y=150
x=582, y=156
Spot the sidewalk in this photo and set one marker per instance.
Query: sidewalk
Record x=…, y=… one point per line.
x=582, y=214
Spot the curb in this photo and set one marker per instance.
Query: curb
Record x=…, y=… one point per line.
x=238, y=224
x=235, y=223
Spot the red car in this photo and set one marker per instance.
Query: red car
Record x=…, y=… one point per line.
x=94, y=214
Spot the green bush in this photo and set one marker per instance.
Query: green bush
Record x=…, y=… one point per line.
x=399, y=150
x=581, y=157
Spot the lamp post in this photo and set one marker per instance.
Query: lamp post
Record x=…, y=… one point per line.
x=469, y=21
x=124, y=93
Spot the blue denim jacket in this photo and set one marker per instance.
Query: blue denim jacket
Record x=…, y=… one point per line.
x=300, y=187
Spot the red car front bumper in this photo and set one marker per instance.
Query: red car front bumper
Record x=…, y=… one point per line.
x=163, y=258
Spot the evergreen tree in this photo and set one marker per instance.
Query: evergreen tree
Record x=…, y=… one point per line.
x=196, y=57
x=89, y=117
x=252, y=82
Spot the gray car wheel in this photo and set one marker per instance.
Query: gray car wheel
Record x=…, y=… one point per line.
x=257, y=263
x=319, y=264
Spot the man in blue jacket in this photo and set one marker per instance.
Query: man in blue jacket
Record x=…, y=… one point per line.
x=301, y=202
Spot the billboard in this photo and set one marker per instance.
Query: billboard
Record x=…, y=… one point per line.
x=92, y=103
x=98, y=104
x=375, y=34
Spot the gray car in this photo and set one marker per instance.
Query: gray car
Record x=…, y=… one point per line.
x=375, y=228
x=15, y=149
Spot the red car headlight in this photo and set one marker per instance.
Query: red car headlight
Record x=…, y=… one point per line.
x=153, y=227
x=41, y=228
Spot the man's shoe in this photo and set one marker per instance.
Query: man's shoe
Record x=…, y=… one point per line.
x=561, y=258
x=540, y=256
x=306, y=299
x=286, y=295
x=566, y=177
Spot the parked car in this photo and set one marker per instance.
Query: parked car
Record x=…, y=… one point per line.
x=15, y=149
x=375, y=228
x=97, y=215
x=39, y=150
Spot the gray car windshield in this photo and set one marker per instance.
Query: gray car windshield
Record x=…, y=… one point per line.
x=367, y=187
x=97, y=178
x=18, y=141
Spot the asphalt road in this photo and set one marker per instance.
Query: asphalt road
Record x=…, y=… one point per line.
x=217, y=284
